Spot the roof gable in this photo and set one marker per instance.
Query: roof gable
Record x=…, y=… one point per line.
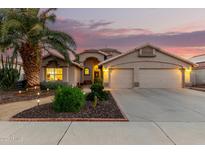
x=61, y=58
x=151, y=46
x=94, y=51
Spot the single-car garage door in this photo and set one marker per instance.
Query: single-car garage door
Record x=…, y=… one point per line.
x=121, y=78
x=160, y=78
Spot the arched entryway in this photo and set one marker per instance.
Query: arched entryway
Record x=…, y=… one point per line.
x=91, y=70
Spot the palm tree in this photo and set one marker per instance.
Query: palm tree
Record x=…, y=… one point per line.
x=26, y=32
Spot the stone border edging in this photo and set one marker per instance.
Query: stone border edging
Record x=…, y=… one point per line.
x=69, y=119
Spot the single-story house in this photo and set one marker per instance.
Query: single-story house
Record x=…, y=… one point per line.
x=146, y=67
x=198, y=73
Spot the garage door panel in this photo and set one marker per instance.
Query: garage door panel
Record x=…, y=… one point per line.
x=121, y=78
x=164, y=78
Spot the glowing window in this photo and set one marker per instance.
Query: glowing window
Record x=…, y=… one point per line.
x=86, y=71
x=54, y=74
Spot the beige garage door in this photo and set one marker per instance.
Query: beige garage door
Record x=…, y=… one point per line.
x=121, y=78
x=160, y=78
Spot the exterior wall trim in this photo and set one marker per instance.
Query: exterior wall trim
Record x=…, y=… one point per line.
x=147, y=61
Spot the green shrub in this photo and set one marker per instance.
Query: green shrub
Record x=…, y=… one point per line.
x=98, y=80
x=51, y=85
x=97, y=89
x=68, y=99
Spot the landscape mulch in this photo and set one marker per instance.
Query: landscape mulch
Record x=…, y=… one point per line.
x=104, y=110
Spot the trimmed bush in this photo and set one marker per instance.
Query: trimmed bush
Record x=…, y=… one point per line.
x=51, y=85
x=97, y=89
x=68, y=99
x=98, y=80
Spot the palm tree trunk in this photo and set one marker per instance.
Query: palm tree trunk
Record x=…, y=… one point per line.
x=31, y=58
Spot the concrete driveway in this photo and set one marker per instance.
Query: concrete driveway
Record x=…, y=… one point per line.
x=162, y=105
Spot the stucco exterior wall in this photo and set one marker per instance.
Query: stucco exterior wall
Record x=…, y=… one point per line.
x=198, y=76
x=74, y=77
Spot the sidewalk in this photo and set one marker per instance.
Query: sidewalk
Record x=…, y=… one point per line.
x=102, y=133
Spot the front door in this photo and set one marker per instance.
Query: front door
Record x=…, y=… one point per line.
x=96, y=74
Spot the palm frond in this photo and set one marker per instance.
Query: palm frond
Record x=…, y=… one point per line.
x=36, y=29
x=47, y=15
x=10, y=26
x=60, y=41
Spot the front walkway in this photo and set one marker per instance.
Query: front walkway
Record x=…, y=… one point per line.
x=10, y=109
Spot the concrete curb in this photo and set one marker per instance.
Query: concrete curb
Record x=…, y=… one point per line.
x=70, y=119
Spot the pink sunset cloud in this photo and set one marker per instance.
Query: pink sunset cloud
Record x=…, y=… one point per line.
x=186, y=52
x=99, y=34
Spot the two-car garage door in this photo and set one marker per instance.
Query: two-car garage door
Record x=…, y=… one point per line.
x=147, y=78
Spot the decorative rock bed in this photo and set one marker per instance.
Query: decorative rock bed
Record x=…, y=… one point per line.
x=104, y=111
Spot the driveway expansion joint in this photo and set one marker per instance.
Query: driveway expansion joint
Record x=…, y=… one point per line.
x=164, y=132
x=64, y=133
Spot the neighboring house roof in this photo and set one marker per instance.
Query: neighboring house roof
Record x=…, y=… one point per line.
x=198, y=59
x=148, y=45
x=61, y=57
x=94, y=51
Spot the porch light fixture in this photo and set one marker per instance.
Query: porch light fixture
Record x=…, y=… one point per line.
x=188, y=69
x=105, y=69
